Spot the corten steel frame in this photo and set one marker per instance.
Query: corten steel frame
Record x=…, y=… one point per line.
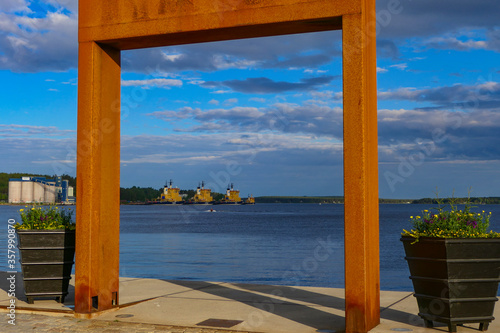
x=107, y=27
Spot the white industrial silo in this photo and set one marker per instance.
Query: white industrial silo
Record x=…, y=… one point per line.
x=14, y=191
x=50, y=192
x=38, y=192
x=27, y=191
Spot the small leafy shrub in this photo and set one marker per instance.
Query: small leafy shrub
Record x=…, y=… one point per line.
x=451, y=223
x=47, y=217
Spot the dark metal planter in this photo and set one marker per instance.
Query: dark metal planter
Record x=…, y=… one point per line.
x=46, y=261
x=455, y=280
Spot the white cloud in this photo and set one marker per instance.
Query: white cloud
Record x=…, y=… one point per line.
x=480, y=95
x=33, y=44
x=196, y=82
x=400, y=93
x=310, y=118
x=436, y=18
x=327, y=94
x=200, y=149
x=382, y=70
x=71, y=5
x=230, y=101
x=401, y=66
x=225, y=61
x=158, y=83
x=257, y=99
x=172, y=57
x=17, y=43
x=10, y=6
x=314, y=71
x=456, y=44
x=53, y=160
x=29, y=131
x=38, y=149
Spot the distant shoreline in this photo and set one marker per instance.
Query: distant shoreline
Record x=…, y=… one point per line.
x=338, y=200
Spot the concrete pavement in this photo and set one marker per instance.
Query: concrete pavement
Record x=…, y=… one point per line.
x=153, y=305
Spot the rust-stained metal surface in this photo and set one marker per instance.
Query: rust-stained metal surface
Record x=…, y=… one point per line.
x=106, y=27
x=98, y=178
x=362, y=275
x=124, y=24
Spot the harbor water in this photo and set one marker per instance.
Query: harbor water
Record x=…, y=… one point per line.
x=284, y=244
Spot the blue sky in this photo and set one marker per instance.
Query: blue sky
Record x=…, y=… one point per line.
x=266, y=114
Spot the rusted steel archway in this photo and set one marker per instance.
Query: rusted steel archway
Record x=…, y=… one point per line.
x=108, y=27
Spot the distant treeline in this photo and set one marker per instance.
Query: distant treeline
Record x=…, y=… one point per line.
x=142, y=194
x=4, y=181
x=295, y=199
x=340, y=200
x=474, y=201
x=316, y=199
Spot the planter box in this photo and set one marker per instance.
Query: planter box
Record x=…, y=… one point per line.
x=455, y=280
x=47, y=257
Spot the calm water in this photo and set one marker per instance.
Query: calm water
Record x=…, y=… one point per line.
x=291, y=244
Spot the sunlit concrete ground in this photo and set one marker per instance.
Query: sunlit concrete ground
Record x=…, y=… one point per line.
x=237, y=307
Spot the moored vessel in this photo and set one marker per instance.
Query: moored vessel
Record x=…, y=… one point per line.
x=203, y=196
x=250, y=200
x=232, y=196
x=171, y=195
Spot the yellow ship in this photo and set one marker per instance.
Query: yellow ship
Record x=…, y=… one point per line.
x=250, y=200
x=232, y=196
x=203, y=195
x=170, y=194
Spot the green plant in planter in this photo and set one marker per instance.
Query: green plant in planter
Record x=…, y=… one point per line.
x=454, y=264
x=45, y=218
x=46, y=242
x=451, y=223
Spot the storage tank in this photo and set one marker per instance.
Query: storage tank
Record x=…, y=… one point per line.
x=64, y=192
x=14, y=191
x=38, y=192
x=27, y=191
x=50, y=192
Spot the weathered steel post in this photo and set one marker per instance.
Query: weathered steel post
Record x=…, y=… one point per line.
x=362, y=273
x=98, y=179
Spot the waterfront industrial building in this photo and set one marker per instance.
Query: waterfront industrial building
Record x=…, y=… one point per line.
x=40, y=190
